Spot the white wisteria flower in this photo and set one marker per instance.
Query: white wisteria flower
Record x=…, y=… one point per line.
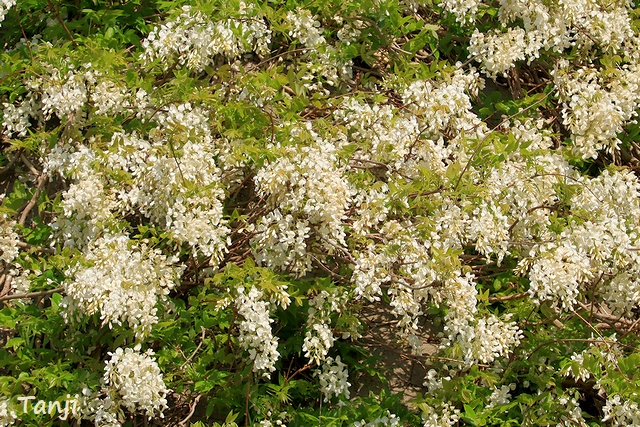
x=306, y=28
x=309, y=196
x=108, y=98
x=536, y=26
x=182, y=194
x=333, y=379
x=486, y=339
x=134, y=380
x=620, y=412
x=595, y=108
x=8, y=416
x=501, y=396
x=194, y=41
x=16, y=117
x=319, y=337
x=8, y=239
x=498, y=51
x=256, y=335
x=121, y=280
x=464, y=10
x=5, y=5
x=445, y=415
x=65, y=97
x=388, y=420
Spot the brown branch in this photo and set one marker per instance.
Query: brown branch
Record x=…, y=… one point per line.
x=509, y=297
x=42, y=179
x=299, y=371
x=631, y=328
x=28, y=164
x=24, y=245
x=5, y=282
x=196, y=350
x=426, y=193
x=57, y=15
x=31, y=294
x=327, y=269
x=192, y=410
x=605, y=317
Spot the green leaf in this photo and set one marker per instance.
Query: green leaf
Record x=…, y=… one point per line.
x=17, y=197
x=418, y=42
x=215, y=379
x=231, y=417
x=469, y=415
x=547, y=311
x=14, y=343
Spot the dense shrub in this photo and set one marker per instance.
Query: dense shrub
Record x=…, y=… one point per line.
x=209, y=207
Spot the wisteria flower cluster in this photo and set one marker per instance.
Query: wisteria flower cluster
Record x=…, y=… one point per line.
x=4, y=8
x=389, y=419
x=7, y=415
x=8, y=239
x=333, y=379
x=121, y=283
x=192, y=41
x=131, y=380
x=255, y=331
x=309, y=198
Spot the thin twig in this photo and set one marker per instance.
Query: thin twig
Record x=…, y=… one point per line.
x=197, y=348
x=192, y=410
x=631, y=328
x=605, y=317
x=57, y=15
x=28, y=164
x=509, y=297
x=527, y=213
x=31, y=294
x=304, y=49
x=299, y=371
x=42, y=179
x=546, y=343
x=26, y=39
x=246, y=408
x=604, y=341
x=5, y=283
x=24, y=245
x=327, y=269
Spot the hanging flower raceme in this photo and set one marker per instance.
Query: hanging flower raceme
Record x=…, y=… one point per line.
x=122, y=281
x=255, y=330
